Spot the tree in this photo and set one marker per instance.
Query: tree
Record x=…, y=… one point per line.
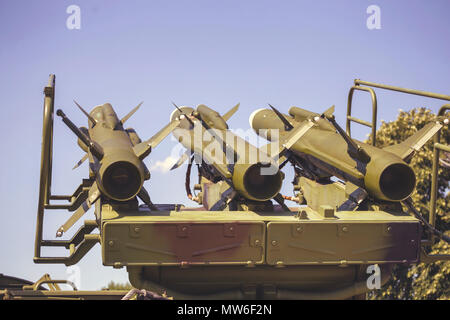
x=421, y=281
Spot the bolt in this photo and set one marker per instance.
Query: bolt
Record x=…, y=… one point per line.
x=137, y=229
x=274, y=242
x=389, y=229
x=345, y=229
x=257, y=242
x=111, y=243
x=184, y=229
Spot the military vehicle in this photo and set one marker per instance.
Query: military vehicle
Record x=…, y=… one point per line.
x=352, y=206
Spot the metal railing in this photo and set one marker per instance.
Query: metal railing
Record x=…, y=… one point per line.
x=82, y=241
x=349, y=117
x=437, y=146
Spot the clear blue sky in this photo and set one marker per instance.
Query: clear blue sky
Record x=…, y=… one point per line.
x=303, y=53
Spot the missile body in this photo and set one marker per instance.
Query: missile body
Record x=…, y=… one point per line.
x=120, y=173
x=231, y=158
x=325, y=152
x=115, y=156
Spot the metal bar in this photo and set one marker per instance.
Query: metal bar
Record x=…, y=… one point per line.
x=430, y=258
x=57, y=206
x=404, y=90
x=56, y=197
x=88, y=242
x=434, y=170
x=46, y=161
x=442, y=147
x=88, y=227
x=62, y=295
x=55, y=243
x=363, y=122
x=373, y=125
x=53, y=282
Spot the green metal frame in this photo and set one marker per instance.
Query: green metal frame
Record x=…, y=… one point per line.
x=437, y=147
x=349, y=118
x=52, y=284
x=82, y=241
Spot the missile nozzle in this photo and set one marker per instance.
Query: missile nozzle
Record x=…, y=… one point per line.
x=254, y=184
x=121, y=180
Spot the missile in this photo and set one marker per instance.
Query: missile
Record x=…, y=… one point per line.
x=226, y=156
x=115, y=157
x=325, y=150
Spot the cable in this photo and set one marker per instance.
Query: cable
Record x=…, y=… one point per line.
x=187, y=183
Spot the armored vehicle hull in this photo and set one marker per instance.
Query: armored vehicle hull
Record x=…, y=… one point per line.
x=191, y=253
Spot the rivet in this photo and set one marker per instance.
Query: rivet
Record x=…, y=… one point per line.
x=274, y=242
x=111, y=243
x=345, y=229
x=279, y=264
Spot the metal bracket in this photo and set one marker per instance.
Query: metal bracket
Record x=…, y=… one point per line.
x=82, y=241
x=437, y=147
x=52, y=284
x=349, y=118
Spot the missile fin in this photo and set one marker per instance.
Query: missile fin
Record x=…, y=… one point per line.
x=94, y=195
x=230, y=112
x=128, y=116
x=286, y=142
x=217, y=160
x=354, y=150
x=182, y=113
x=145, y=197
x=226, y=197
x=182, y=159
x=81, y=161
x=94, y=122
x=411, y=145
x=287, y=125
x=94, y=148
x=329, y=112
x=144, y=148
x=279, y=198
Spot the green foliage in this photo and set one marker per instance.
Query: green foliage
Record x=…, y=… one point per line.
x=117, y=286
x=422, y=281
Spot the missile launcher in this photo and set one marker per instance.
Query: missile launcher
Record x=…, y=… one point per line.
x=241, y=240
